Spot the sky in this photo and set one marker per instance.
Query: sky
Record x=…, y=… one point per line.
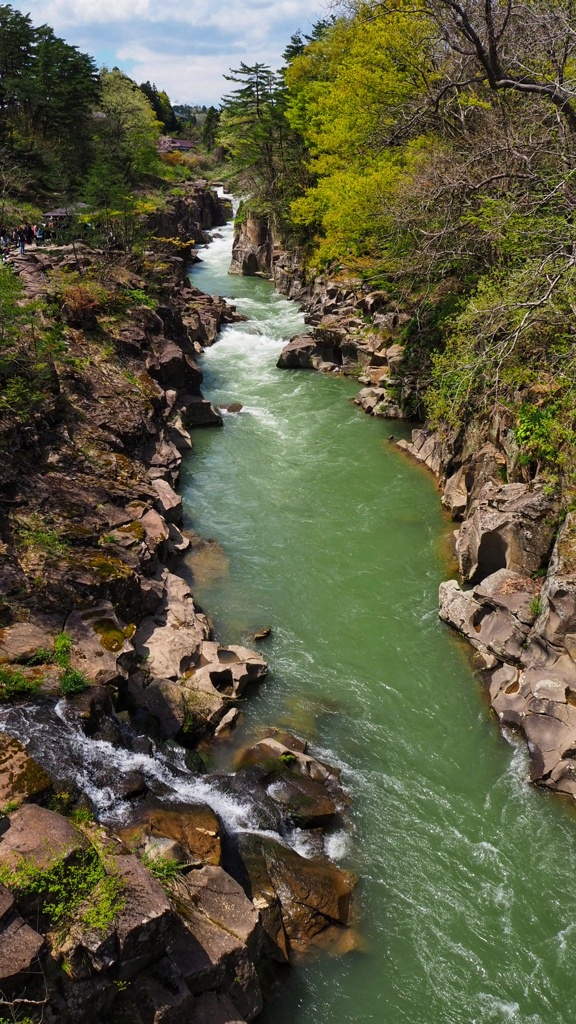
x=182, y=46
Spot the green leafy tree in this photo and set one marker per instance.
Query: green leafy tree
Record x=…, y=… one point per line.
x=17, y=39
x=210, y=127
x=160, y=103
x=265, y=152
x=129, y=128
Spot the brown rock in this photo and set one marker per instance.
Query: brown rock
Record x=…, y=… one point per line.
x=170, y=640
x=100, y=644
x=221, y=939
x=169, y=504
x=195, y=828
x=20, y=946
x=298, y=353
x=557, y=620
x=138, y=928
x=232, y=407
x=21, y=779
x=270, y=753
x=304, y=802
x=314, y=894
x=510, y=527
x=21, y=641
x=395, y=357
x=214, y=1008
x=40, y=836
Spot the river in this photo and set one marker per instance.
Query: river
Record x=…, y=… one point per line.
x=466, y=900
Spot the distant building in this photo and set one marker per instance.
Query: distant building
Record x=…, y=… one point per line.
x=65, y=211
x=170, y=145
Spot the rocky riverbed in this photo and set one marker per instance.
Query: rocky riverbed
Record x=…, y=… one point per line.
x=134, y=885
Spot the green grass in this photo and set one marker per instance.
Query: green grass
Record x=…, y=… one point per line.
x=66, y=885
x=14, y=685
x=63, y=649
x=72, y=681
x=164, y=869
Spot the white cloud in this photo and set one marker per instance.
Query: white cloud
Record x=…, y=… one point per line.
x=184, y=46
x=197, y=77
x=61, y=14
x=228, y=15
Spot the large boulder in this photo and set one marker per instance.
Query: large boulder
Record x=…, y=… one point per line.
x=219, y=940
x=21, y=779
x=22, y=640
x=299, y=353
x=40, y=837
x=168, y=503
x=101, y=649
x=370, y=398
x=252, y=245
x=170, y=640
x=425, y=447
x=139, y=926
x=303, y=901
x=511, y=527
x=20, y=945
x=496, y=616
x=194, y=828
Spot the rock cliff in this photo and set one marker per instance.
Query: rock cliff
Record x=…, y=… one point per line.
x=124, y=894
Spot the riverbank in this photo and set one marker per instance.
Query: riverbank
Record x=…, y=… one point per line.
x=513, y=540
x=465, y=903
x=111, y=677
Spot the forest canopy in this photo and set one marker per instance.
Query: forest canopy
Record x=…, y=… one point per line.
x=428, y=148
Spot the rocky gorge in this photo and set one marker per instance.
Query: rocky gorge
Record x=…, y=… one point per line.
x=134, y=885
x=514, y=545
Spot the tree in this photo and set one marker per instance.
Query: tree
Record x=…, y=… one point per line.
x=16, y=57
x=63, y=89
x=263, y=149
x=160, y=103
x=525, y=47
x=210, y=127
x=129, y=130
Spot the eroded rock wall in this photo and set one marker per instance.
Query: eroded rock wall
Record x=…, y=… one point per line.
x=519, y=553
x=92, y=533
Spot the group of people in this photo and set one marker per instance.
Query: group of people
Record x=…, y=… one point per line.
x=20, y=237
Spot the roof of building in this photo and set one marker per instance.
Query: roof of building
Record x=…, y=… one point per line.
x=66, y=211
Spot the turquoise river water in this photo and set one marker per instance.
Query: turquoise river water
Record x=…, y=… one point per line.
x=466, y=901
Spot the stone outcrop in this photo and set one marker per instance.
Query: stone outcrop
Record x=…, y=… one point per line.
x=201, y=938
x=95, y=515
x=252, y=245
x=520, y=615
x=21, y=779
x=354, y=332
x=132, y=949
